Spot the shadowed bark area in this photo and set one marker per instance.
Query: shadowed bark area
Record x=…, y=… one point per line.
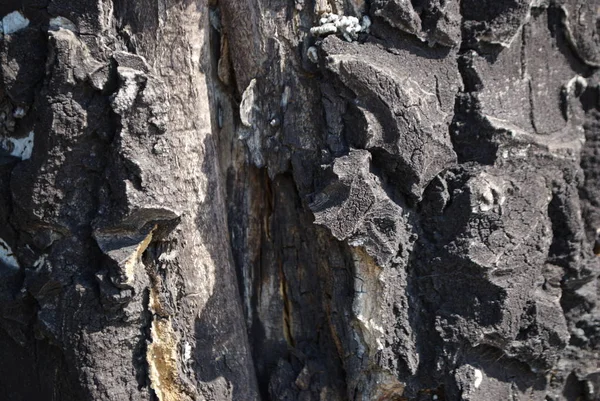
x=299, y=200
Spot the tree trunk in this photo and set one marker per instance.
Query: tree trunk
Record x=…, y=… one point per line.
x=299, y=200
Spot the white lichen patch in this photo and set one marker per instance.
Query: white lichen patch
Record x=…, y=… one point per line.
x=478, y=378
x=23, y=147
x=40, y=262
x=249, y=114
x=169, y=256
x=14, y=22
x=187, y=352
x=130, y=81
x=18, y=147
x=312, y=54
x=576, y=85
x=347, y=26
x=365, y=23
x=488, y=192
x=62, y=22
x=247, y=105
x=19, y=112
x=6, y=255
x=285, y=97
x=376, y=331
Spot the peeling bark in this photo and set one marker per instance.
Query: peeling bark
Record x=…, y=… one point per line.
x=201, y=200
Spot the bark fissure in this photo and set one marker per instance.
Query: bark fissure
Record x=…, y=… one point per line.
x=210, y=200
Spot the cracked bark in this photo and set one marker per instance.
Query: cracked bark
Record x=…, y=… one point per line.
x=192, y=208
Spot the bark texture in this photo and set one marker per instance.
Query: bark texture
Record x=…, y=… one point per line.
x=300, y=200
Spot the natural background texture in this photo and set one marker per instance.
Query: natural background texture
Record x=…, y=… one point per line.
x=209, y=201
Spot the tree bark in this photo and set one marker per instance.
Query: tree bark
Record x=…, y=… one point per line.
x=299, y=200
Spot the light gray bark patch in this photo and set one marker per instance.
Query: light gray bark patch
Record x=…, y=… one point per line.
x=497, y=23
x=433, y=21
x=353, y=206
x=401, y=121
x=14, y=22
x=423, y=224
x=580, y=19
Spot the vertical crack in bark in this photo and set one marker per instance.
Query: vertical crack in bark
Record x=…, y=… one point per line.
x=163, y=355
x=288, y=330
x=525, y=75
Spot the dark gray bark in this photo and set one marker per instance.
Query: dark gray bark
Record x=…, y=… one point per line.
x=213, y=201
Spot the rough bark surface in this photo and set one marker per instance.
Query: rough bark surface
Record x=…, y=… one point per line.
x=268, y=199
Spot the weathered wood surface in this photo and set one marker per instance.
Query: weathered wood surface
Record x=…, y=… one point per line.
x=299, y=200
